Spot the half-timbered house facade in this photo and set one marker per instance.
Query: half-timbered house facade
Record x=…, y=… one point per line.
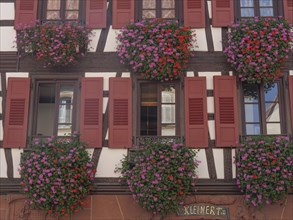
x=114, y=109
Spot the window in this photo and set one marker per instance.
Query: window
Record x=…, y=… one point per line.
x=263, y=109
x=55, y=108
x=158, y=103
x=263, y=8
x=62, y=10
x=167, y=9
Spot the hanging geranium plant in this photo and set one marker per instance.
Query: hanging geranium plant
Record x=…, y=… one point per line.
x=156, y=49
x=57, y=175
x=257, y=48
x=160, y=175
x=54, y=44
x=264, y=169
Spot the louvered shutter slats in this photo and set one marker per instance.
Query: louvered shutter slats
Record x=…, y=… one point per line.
x=288, y=10
x=196, y=120
x=96, y=13
x=226, y=112
x=25, y=12
x=16, y=114
x=222, y=13
x=91, y=111
x=123, y=13
x=194, y=13
x=120, y=105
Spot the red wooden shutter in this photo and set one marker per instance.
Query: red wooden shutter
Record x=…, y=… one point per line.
x=291, y=97
x=222, y=13
x=194, y=13
x=25, y=12
x=91, y=111
x=16, y=114
x=288, y=10
x=96, y=13
x=120, y=114
x=196, y=117
x=122, y=13
x=226, y=111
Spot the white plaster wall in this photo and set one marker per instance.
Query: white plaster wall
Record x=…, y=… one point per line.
x=190, y=74
x=111, y=43
x=202, y=170
x=210, y=9
x=7, y=11
x=211, y=125
x=94, y=40
x=233, y=164
x=0, y=104
x=107, y=135
x=109, y=160
x=291, y=72
x=1, y=130
x=90, y=152
x=211, y=107
x=16, y=154
x=201, y=40
x=125, y=75
x=15, y=74
x=219, y=162
x=105, y=75
x=105, y=104
x=209, y=76
x=217, y=38
x=3, y=164
x=7, y=39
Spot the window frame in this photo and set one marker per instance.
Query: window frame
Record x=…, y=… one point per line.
x=178, y=108
x=277, y=9
x=35, y=101
x=261, y=108
x=42, y=12
x=178, y=10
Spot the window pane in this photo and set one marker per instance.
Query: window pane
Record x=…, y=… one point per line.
x=168, y=114
x=53, y=4
x=72, y=4
x=250, y=93
x=272, y=94
x=266, y=12
x=66, y=94
x=46, y=110
x=147, y=4
x=149, y=13
x=265, y=3
x=64, y=130
x=168, y=3
x=53, y=15
x=148, y=120
x=246, y=3
x=168, y=130
x=168, y=95
x=71, y=15
x=65, y=113
x=247, y=12
x=251, y=113
x=252, y=129
x=272, y=112
x=168, y=13
x=273, y=128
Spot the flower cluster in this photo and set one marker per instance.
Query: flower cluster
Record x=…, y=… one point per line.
x=156, y=49
x=55, y=44
x=160, y=175
x=57, y=175
x=258, y=47
x=264, y=169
